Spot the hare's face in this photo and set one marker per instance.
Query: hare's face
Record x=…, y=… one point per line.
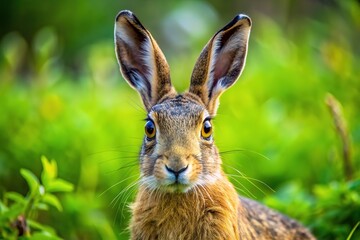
x=178, y=151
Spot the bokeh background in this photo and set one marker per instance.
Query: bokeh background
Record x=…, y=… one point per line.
x=62, y=96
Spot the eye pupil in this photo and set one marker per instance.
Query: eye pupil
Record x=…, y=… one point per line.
x=207, y=127
x=206, y=130
x=150, y=129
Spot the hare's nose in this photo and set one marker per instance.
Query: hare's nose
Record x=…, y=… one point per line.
x=176, y=172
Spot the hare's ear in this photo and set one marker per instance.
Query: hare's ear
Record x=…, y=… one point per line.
x=141, y=61
x=221, y=62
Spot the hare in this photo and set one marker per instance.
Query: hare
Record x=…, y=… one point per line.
x=183, y=192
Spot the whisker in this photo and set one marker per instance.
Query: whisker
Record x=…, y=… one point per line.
x=127, y=189
x=201, y=196
x=245, y=193
x=244, y=190
x=263, y=183
x=123, y=167
x=244, y=151
x=114, y=150
x=207, y=193
x=130, y=193
x=116, y=214
x=114, y=186
x=125, y=230
x=118, y=158
x=247, y=179
x=117, y=198
x=196, y=195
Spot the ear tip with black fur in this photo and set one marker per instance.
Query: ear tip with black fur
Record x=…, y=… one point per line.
x=240, y=19
x=129, y=17
x=244, y=17
x=124, y=13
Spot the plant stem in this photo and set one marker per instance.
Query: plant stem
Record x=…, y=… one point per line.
x=341, y=129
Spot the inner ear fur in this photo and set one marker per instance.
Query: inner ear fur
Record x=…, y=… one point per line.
x=142, y=63
x=221, y=62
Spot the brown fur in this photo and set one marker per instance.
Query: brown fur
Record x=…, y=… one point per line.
x=183, y=192
x=204, y=213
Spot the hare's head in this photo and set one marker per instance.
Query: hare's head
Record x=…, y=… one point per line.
x=178, y=152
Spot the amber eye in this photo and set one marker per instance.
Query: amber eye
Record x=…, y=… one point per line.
x=150, y=129
x=206, y=130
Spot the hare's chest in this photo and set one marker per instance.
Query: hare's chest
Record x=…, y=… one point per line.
x=182, y=223
x=156, y=223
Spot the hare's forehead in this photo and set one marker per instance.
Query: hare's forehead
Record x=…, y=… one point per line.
x=180, y=111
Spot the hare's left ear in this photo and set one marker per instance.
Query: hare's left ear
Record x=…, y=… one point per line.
x=141, y=61
x=221, y=62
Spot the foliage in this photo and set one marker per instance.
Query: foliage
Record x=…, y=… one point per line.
x=19, y=213
x=331, y=211
x=61, y=95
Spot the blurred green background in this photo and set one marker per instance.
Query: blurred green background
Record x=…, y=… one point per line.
x=62, y=96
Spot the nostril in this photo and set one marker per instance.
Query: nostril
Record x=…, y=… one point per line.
x=176, y=172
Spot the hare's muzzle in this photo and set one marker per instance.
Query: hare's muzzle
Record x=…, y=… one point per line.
x=176, y=172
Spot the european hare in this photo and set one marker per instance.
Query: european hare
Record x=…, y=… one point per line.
x=184, y=194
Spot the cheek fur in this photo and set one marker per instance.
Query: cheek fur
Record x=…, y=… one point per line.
x=209, y=163
x=159, y=171
x=196, y=171
x=147, y=160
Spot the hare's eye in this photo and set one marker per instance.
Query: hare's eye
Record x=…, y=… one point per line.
x=206, y=130
x=150, y=129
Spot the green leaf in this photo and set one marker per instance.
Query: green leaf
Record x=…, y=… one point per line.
x=53, y=201
x=353, y=230
x=43, y=228
x=43, y=236
x=60, y=185
x=31, y=180
x=3, y=207
x=49, y=170
x=16, y=197
x=41, y=206
x=12, y=212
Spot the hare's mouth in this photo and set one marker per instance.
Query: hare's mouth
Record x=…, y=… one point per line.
x=166, y=185
x=176, y=188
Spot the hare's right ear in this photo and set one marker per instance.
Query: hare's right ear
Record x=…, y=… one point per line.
x=141, y=61
x=221, y=62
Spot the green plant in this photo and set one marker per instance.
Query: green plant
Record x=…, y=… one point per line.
x=18, y=213
x=331, y=211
